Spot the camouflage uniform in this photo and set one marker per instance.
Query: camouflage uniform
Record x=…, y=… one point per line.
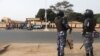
x=62, y=27
x=88, y=28
x=88, y=41
x=61, y=41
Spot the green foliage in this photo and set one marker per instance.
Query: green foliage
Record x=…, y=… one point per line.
x=98, y=20
x=41, y=14
x=50, y=15
x=97, y=16
x=75, y=17
x=64, y=6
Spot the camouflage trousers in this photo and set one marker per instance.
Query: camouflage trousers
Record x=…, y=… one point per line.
x=61, y=42
x=88, y=41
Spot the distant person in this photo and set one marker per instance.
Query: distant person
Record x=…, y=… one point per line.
x=62, y=27
x=88, y=28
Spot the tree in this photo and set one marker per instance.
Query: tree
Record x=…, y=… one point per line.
x=50, y=15
x=64, y=6
x=97, y=16
x=41, y=14
x=76, y=17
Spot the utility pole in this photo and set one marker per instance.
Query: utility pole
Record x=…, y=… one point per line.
x=46, y=23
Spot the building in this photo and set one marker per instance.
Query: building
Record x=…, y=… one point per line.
x=6, y=21
x=34, y=21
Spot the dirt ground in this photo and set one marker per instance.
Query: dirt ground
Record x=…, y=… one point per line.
x=45, y=49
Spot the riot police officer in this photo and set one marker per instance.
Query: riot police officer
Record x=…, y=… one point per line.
x=62, y=26
x=88, y=28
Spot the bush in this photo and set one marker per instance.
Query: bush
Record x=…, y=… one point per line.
x=98, y=20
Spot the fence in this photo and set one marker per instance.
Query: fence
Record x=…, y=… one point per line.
x=73, y=25
x=52, y=25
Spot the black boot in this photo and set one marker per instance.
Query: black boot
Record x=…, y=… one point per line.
x=58, y=51
x=91, y=53
x=87, y=54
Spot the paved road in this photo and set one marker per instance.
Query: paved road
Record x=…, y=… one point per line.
x=25, y=36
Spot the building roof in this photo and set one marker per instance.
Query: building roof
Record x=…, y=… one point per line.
x=32, y=18
x=74, y=22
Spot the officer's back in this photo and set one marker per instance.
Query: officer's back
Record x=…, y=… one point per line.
x=59, y=22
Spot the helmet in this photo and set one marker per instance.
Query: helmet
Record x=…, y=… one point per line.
x=60, y=13
x=88, y=13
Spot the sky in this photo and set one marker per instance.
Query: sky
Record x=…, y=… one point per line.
x=22, y=9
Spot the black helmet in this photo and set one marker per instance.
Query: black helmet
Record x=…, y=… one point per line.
x=60, y=13
x=88, y=13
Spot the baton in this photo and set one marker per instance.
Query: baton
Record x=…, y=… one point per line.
x=69, y=44
x=81, y=46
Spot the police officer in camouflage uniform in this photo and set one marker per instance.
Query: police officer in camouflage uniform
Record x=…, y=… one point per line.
x=88, y=28
x=62, y=27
